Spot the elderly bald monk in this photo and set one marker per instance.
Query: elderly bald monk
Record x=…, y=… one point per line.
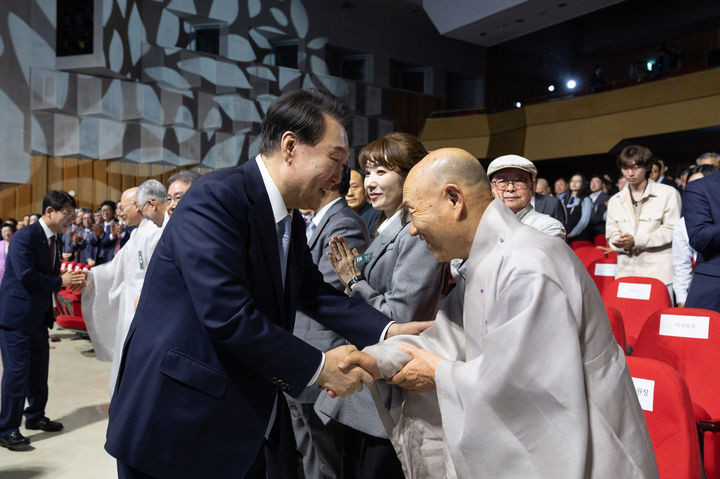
x=520, y=375
x=108, y=302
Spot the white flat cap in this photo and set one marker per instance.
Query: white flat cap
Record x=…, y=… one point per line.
x=511, y=161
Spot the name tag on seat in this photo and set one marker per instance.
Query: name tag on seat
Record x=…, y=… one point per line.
x=645, y=389
x=634, y=291
x=605, y=269
x=682, y=326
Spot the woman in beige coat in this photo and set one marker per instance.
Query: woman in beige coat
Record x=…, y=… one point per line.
x=641, y=218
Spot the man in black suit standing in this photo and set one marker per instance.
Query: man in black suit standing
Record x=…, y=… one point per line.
x=31, y=277
x=599, y=206
x=210, y=350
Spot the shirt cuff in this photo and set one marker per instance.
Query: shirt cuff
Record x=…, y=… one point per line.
x=385, y=330
x=313, y=380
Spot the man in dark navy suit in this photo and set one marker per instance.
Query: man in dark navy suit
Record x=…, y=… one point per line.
x=31, y=277
x=211, y=349
x=701, y=209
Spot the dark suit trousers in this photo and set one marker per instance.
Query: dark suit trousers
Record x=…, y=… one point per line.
x=25, y=372
x=704, y=292
x=368, y=457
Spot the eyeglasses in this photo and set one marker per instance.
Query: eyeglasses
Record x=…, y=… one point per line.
x=66, y=212
x=502, y=183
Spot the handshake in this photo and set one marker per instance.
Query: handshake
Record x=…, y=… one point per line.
x=346, y=369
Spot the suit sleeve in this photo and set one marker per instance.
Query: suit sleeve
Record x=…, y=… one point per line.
x=703, y=232
x=220, y=285
x=23, y=260
x=416, y=283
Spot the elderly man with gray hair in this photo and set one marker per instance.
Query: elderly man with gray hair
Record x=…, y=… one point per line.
x=151, y=197
x=113, y=289
x=178, y=184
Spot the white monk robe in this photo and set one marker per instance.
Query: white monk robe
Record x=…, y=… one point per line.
x=535, y=385
x=108, y=301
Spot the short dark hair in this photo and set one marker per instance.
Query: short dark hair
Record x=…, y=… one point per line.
x=12, y=220
x=705, y=170
x=57, y=200
x=111, y=203
x=300, y=111
x=344, y=184
x=638, y=155
x=9, y=225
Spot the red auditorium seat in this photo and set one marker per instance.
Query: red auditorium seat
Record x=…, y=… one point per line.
x=579, y=244
x=68, y=310
x=588, y=254
x=600, y=240
x=602, y=271
x=668, y=410
x=688, y=339
x=617, y=326
x=636, y=298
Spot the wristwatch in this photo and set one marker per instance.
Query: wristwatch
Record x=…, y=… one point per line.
x=354, y=280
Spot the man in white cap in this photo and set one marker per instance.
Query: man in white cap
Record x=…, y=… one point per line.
x=513, y=180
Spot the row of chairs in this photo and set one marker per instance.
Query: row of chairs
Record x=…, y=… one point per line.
x=673, y=351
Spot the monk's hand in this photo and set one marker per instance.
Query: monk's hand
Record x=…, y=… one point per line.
x=342, y=259
x=412, y=328
x=360, y=359
x=341, y=383
x=419, y=374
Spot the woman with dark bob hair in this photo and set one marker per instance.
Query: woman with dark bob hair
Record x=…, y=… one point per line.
x=398, y=276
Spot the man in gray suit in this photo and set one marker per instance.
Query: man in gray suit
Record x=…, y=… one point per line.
x=319, y=444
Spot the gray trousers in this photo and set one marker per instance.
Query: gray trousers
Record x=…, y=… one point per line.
x=319, y=444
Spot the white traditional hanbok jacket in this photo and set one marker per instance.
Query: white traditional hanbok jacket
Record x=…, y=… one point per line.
x=534, y=385
x=108, y=301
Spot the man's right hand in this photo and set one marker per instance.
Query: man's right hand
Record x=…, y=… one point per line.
x=360, y=359
x=342, y=383
x=72, y=279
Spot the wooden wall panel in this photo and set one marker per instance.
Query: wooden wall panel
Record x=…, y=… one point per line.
x=129, y=175
x=7, y=201
x=55, y=173
x=114, y=180
x=23, y=201
x=86, y=185
x=70, y=177
x=39, y=182
x=100, y=189
x=143, y=173
x=93, y=181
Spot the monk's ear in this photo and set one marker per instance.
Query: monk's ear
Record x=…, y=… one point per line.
x=456, y=198
x=288, y=143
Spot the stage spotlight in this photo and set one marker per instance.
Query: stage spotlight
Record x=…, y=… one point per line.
x=571, y=84
x=551, y=88
x=649, y=65
x=518, y=104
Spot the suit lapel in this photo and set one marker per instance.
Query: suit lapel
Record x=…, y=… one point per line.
x=263, y=222
x=42, y=242
x=380, y=244
x=337, y=206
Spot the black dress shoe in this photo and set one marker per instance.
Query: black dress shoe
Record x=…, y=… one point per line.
x=14, y=441
x=43, y=423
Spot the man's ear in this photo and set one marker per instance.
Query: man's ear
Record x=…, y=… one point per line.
x=288, y=143
x=456, y=198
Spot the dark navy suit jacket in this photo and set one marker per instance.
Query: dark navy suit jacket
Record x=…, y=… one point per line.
x=552, y=206
x=211, y=344
x=701, y=209
x=29, y=281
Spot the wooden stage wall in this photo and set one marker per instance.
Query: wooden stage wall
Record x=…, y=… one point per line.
x=93, y=181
